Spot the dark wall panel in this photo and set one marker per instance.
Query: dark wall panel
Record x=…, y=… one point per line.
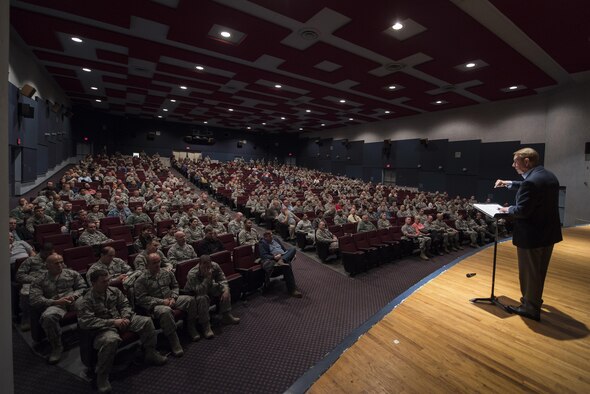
x=433, y=154
x=407, y=154
x=468, y=162
x=432, y=181
x=461, y=185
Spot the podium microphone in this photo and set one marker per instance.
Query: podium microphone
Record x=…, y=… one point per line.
x=471, y=274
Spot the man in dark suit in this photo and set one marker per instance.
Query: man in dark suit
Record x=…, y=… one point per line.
x=274, y=256
x=536, y=227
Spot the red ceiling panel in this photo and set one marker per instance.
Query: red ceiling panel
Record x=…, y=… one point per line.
x=358, y=46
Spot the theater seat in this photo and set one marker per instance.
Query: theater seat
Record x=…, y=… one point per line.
x=43, y=230
x=60, y=242
x=228, y=241
x=182, y=270
x=107, y=222
x=234, y=279
x=37, y=333
x=245, y=263
x=361, y=241
x=353, y=260
x=121, y=250
x=79, y=258
x=121, y=233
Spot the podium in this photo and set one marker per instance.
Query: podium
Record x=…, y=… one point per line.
x=492, y=211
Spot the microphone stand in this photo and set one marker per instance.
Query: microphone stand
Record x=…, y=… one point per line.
x=492, y=299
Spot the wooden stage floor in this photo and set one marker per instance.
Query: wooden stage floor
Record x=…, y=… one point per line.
x=436, y=341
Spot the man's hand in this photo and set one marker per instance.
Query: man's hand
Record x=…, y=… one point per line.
x=63, y=301
x=503, y=209
x=225, y=295
x=501, y=183
x=169, y=302
x=121, y=324
x=278, y=256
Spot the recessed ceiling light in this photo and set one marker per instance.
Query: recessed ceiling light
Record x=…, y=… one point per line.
x=392, y=87
x=283, y=118
x=172, y=100
x=387, y=112
x=470, y=65
x=438, y=102
x=308, y=110
x=183, y=87
x=249, y=128
x=397, y=26
x=76, y=39
x=323, y=124
x=165, y=110
x=513, y=87
x=86, y=69
x=205, y=122
x=93, y=88
x=230, y=109
x=301, y=128
x=350, y=118
x=200, y=68
x=225, y=34
x=343, y=101
x=278, y=86
x=264, y=123
x=98, y=100
x=160, y=116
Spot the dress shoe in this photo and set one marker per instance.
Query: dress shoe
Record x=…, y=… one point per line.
x=522, y=311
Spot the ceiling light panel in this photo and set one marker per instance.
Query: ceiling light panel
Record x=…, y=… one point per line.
x=409, y=28
x=230, y=36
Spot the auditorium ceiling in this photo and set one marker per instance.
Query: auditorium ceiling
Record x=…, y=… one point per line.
x=303, y=65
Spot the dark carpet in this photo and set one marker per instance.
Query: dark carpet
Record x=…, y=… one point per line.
x=277, y=341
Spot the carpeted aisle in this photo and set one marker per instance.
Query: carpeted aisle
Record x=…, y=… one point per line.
x=277, y=341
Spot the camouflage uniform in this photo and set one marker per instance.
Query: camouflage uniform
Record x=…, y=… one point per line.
x=304, y=226
x=141, y=260
x=422, y=240
x=99, y=311
x=115, y=268
x=204, y=289
x=461, y=225
x=167, y=240
x=363, y=226
x=91, y=239
x=248, y=237
x=194, y=234
x=158, y=217
x=150, y=293
x=134, y=219
x=95, y=217
x=34, y=221
x=45, y=290
x=178, y=253
x=234, y=227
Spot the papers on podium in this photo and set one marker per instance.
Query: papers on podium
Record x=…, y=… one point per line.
x=491, y=210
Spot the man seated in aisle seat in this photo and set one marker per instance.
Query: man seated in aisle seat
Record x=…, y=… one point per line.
x=207, y=282
x=106, y=310
x=274, y=256
x=55, y=292
x=417, y=237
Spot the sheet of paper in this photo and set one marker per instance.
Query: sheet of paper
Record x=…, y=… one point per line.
x=490, y=210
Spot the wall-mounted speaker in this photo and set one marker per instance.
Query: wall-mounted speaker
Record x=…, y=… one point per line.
x=151, y=136
x=28, y=91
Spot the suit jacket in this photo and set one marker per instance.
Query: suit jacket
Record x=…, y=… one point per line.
x=267, y=258
x=536, y=211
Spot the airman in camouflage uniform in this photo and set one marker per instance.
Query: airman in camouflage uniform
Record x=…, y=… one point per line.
x=157, y=292
x=38, y=217
x=55, y=292
x=138, y=216
x=180, y=251
x=412, y=234
x=107, y=310
x=141, y=260
x=194, y=232
x=462, y=225
x=91, y=236
x=117, y=268
x=206, y=280
x=236, y=225
x=248, y=236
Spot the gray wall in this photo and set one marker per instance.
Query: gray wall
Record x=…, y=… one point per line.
x=559, y=120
